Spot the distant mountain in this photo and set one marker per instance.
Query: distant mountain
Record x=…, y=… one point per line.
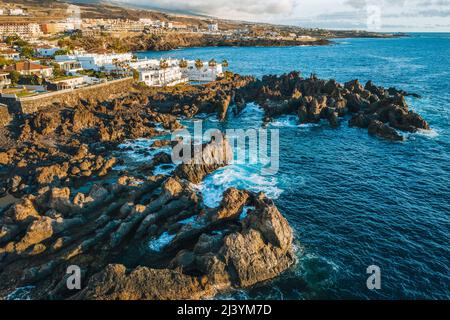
x=143, y=6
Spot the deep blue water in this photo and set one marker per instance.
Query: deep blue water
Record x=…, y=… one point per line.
x=354, y=200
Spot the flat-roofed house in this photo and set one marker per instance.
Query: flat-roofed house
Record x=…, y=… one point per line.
x=98, y=62
x=65, y=83
x=70, y=66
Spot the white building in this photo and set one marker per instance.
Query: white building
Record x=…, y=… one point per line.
x=98, y=62
x=206, y=73
x=47, y=51
x=70, y=66
x=213, y=27
x=146, y=21
x=16, y=12
x=152, y=72
x=69, y=83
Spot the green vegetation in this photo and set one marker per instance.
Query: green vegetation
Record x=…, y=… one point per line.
x=63, y=78
x=57, y=71
x=25, y=48
x=24, y=93
x=15, y=77
x=62, y=52
x=5, y=62
x=93, y=73
x=33, y=80
x=198, y=64
x=135, y=74
x=27, y=52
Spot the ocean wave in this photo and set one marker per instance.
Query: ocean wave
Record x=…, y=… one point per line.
x=240, y=177
x=21, y=293
x=289, y=121
x=432, y=133
x=140, y=150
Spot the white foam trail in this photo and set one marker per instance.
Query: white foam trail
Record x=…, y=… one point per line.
x=159, y=244
x=432, y=133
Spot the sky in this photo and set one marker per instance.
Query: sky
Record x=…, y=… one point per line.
x=373, y=15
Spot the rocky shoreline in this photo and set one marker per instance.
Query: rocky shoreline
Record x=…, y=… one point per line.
x=139, y=235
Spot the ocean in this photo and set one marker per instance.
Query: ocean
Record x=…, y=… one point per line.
x=353, y=200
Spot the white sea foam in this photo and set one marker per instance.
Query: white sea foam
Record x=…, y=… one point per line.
x=140, y=150
x=241, y=177
x=432, y=133
x=21, y=293
x=289, y=121
x=159, y=244
x=308, y=125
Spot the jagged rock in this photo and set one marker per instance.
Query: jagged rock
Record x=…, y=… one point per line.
x=22, y=211
x=213, y=156
x=115, y=283
x=232, y=203
x=379, y=129
x=47, y=175
x=4, y=158
x=38, y=231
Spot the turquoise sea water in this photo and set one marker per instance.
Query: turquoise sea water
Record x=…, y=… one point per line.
x=352, y=199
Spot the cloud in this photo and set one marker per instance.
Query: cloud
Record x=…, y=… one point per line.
x=237, y=9
x=334, y=14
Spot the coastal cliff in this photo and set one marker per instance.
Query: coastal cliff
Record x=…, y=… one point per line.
x=137, y=234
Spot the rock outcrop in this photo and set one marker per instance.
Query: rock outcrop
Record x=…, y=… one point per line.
x=383, y=112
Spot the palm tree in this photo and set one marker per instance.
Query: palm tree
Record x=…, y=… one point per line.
x=225, y=63
x=163, y=64
x=183, y=64
x=212, y=63
x=198, y=64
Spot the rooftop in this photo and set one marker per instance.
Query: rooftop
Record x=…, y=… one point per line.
x=25, y=66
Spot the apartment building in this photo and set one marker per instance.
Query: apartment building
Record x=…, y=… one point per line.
x=161, y=73
x=24, y=30
x=98, y=62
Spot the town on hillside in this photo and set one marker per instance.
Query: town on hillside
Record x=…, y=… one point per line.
x=33, y=62
x=46, y=48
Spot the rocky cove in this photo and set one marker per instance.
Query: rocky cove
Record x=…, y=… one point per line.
x=138, y=235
